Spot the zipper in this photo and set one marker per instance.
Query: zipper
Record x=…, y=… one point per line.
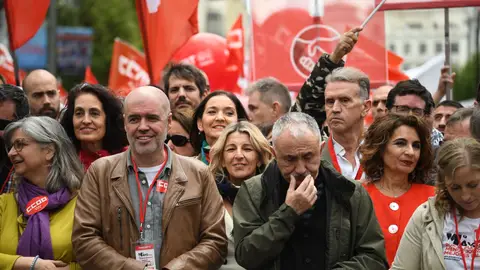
x=119, y=218
x=189, y=202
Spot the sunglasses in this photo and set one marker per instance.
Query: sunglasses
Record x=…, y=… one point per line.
x=177, y=140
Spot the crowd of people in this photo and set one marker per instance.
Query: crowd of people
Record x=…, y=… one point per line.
x=179, y=177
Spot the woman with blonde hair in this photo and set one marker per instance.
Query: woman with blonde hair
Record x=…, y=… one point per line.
x=240, y=153
x=444, y=232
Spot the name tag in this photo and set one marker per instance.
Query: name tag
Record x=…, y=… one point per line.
x=146, y=254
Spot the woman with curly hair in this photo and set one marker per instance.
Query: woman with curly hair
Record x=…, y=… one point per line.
x=94, y=122
x=444, y=232
x=396, y=156
x=240, y=153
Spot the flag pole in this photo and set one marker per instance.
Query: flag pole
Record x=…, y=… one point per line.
x=447, y=50
x=141, y=24
x=12, y=50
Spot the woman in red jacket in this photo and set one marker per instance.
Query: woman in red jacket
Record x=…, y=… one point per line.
x=396, y=157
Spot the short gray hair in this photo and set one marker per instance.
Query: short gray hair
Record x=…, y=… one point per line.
x=459, y=116
x=295, y=123
x=352, y=75
x=475, y=124
x=66, y=169
x=272, y=90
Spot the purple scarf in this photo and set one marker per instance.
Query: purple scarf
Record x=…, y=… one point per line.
x=36, y=239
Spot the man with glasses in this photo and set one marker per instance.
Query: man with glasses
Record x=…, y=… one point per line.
x=13, y=107
x=379, y=100
x=411, y=97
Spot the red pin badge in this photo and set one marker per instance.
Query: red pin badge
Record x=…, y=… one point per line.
x=162, y=186
x=36, y=205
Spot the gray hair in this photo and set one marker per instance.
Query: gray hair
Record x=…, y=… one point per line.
x=352, y=75
x=295, y=123
x=475, y=124
x=66, y=169
x=459, y=116
x=272, y=90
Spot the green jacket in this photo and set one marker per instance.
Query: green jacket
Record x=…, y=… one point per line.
x=262, y=227
x=311, y=98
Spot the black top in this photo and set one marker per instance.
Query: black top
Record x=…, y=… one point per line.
x=308, y=244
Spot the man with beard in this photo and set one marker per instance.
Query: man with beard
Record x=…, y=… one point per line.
x=300, y=213
x=185, y=86
x=151, y=196
x=268, y=100
x=43, y=94
x=13, y=107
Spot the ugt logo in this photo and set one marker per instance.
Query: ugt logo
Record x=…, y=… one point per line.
x=309, y=44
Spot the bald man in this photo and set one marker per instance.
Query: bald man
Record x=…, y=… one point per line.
x=42, y=93
x=149, y=207
x=379, y=99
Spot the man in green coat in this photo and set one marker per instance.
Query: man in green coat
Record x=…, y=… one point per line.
x=301, y=213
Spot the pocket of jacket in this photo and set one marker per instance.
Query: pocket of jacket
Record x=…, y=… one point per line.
x=188, y=202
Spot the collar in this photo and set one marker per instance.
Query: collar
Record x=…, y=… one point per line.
x=168, y=164
x=339, y=150
x=339, y=186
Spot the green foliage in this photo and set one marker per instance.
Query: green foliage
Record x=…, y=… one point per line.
x=109, y=19
x=466, y=81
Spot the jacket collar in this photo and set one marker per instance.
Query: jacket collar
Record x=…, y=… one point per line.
x=340, y=187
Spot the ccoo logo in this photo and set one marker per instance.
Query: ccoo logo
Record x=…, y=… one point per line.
x=309, y=44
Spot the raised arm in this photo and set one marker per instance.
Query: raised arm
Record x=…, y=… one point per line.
x=311, y=98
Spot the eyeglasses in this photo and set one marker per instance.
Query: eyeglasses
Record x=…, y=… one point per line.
x=406, y=110
x=177, y=140
x=18, y=145
x=378, y=101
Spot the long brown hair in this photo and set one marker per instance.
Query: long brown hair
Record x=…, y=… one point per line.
x=377, y=137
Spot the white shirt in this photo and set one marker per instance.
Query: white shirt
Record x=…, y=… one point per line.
x=451, y=251
x=348, y=170
x=150, y=173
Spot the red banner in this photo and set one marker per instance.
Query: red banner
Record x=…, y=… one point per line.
x=166, y=25
x=89, y=77
x=235, y=45
x=24, y=18
x=426, y=4
x=6, y=66
x=287, y=40
x=127, y=70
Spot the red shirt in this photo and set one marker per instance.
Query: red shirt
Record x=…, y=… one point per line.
x=393, y=214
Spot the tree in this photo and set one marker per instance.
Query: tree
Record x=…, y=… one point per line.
x=109, y=19
x=466, y=81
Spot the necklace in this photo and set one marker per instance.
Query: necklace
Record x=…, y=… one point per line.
x=392, y=193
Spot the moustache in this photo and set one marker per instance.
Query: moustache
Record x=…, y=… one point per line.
x=182, y=100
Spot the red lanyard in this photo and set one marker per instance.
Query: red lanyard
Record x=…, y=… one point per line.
x=143, y=205
x=475, y=243
x=333, y=155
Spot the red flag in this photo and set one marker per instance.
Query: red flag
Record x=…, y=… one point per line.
x=6, y=66
x=89, y=77
x=24, y=18
x=235, y=45
x=166, y=25
x=127, y=70
x=426, y=4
